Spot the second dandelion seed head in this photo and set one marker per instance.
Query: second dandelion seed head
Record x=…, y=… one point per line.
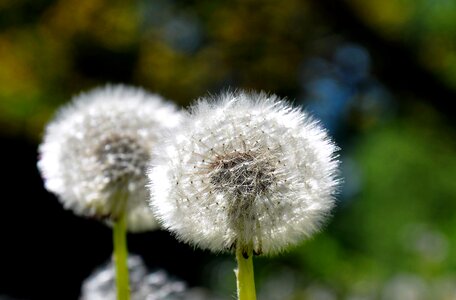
x=96, y=150
x=247, y=171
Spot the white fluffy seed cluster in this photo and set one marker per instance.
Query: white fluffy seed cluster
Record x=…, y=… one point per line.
x=245, y=170
x=96, y=150
x=157, y=285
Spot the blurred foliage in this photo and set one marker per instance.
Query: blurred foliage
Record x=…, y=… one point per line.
x=50, y=50
x=425, y=27
x=393, y=233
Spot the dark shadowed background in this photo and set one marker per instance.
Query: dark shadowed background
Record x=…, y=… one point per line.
x=381, y=75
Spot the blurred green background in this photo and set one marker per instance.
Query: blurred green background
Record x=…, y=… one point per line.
x=381, y=75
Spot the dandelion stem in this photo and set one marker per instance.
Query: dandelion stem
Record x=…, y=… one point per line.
x=120, y=257
x=244, y=275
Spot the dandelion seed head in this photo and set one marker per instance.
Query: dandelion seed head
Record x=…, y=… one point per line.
x=157, y=285
x=98, y=147
x=246, y=170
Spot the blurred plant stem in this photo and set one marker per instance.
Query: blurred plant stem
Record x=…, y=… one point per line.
x=244, y=275
x=120, y=257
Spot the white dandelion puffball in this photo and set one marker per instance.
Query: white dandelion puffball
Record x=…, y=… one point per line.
x=246, y=171
x=96, y=150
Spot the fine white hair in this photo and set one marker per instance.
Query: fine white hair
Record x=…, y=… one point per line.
x=97, y=148
x=245, y=170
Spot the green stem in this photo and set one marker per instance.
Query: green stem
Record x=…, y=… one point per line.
x=244, y=276
x=120, y=257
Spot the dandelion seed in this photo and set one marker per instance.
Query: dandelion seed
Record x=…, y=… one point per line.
x=258, y=174
x=97, y=148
